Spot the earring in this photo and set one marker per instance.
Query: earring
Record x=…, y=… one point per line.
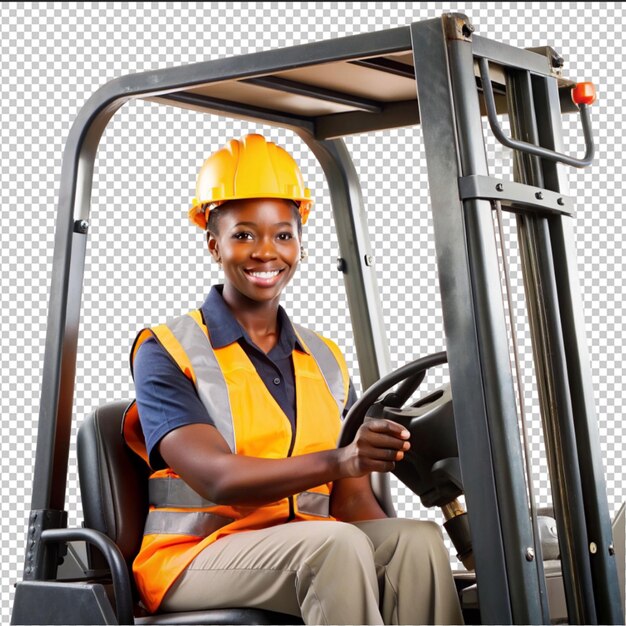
x=219, y=262
x=304, y=255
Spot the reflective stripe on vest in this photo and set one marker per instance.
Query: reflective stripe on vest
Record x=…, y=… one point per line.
x=327, y=363
x=197, y=524
x=313, y=503
x=210, y=383
x=170, y=492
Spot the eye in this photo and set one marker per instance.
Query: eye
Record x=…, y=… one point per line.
x=242, y=235
x=285, y=236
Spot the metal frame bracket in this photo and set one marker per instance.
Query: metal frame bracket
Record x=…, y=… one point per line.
x=515, y=197
x=36, y=566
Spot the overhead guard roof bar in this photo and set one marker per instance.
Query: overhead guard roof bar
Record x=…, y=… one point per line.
x=364, y=113
x=160, y=82
x=292, y=86
x=387, y=65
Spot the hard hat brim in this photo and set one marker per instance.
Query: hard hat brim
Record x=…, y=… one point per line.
x=199, y=211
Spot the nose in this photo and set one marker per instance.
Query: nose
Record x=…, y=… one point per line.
x=265, y=250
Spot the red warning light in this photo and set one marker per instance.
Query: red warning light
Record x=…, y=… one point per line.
x=584, y=93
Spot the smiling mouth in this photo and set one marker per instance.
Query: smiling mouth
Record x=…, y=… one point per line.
x=265, y=277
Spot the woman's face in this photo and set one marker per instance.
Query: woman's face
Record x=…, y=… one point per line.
x=258, y=246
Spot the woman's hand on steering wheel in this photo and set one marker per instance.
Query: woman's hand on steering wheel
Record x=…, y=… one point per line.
x=376, y=447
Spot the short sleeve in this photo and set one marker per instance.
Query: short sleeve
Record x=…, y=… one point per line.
x=166, y=398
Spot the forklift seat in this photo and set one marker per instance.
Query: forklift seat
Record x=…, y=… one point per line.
x=114, y=490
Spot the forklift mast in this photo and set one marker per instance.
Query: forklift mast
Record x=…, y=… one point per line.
x=440, y=75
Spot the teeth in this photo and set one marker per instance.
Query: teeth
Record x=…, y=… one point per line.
x=264, y=274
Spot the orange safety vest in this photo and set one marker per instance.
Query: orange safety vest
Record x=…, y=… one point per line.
x=180, y=522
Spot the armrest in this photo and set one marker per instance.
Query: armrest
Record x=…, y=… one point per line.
x=114, y=559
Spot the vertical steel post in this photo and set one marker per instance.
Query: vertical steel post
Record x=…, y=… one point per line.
x=370, y=336
x=510, y=589
x=549, y=355
x=600, y=552
x=57, y=389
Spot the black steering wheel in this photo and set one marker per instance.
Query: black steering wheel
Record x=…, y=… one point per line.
x=431, y=467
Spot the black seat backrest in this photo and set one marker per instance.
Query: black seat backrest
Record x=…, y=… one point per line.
x=113, y=480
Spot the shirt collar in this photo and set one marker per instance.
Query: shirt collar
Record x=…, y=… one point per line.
x=224, y=329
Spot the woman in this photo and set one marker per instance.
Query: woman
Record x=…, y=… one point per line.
x=238, y=413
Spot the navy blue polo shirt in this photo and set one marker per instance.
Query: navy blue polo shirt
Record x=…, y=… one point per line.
x=167, y=399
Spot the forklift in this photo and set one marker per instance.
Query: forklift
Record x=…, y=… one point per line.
x=440, y=75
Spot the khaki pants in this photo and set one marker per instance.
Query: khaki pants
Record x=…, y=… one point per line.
x=392, y=571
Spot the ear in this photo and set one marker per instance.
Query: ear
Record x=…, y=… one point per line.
x=213, y=246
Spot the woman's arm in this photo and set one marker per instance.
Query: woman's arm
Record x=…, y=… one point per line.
x=352, y=500
x=202, y=458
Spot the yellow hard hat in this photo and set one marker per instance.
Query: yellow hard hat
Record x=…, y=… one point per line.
x=248, y=168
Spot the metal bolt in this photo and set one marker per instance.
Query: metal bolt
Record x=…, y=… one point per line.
x=593, y=548
x=560, y=201
x=81, y=226
x=341, y=264
x=530, y=554
x=611, y=550
x=369, y=260
x=539, y=195
x=499, y=187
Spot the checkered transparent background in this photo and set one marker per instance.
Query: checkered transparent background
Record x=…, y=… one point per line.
x=146, y=263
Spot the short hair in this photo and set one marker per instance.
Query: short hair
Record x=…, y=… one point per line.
x=212, y=226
